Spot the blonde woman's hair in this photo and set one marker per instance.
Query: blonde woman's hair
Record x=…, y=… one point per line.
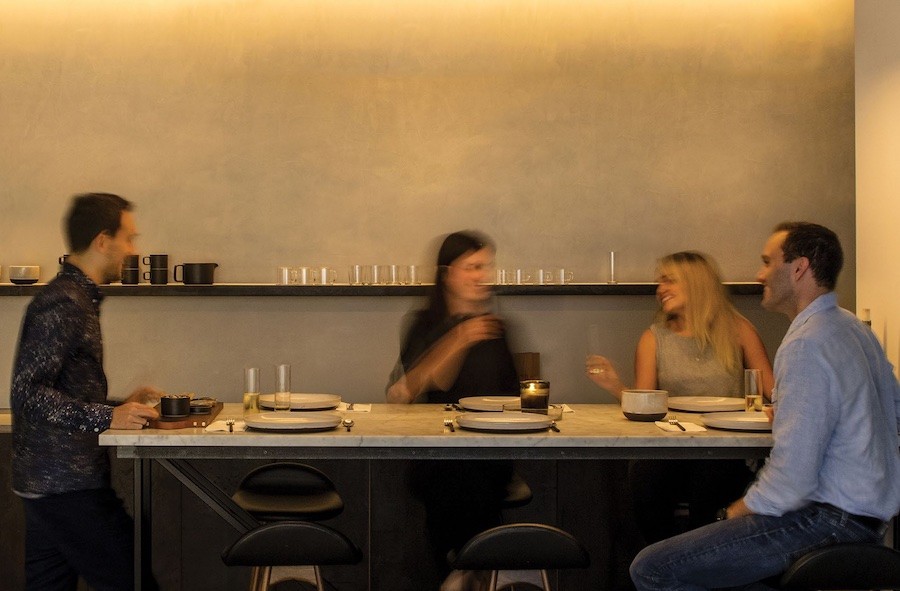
x=709, y=314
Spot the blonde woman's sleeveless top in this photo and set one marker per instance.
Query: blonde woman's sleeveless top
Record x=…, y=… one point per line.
x=684, y=370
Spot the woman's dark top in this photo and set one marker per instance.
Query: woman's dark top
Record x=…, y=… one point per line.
x=487, y=370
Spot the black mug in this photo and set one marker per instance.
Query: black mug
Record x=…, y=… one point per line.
x=157, y=261
x=131, y=276
x=195, y=273
x=157, y=276
x=131, y=272
x=62, y=261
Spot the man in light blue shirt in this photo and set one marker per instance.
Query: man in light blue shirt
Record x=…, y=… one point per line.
x=833, y=474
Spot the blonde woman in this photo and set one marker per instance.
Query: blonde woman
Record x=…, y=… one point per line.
x=698, y=345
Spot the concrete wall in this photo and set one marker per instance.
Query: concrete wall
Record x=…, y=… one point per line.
x=269, y=133
x=877, y=150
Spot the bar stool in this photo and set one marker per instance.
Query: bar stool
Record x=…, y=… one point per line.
x=290, y=543
x=521, y=546
x=851, y=567
x=288, y=491
x=285, y=491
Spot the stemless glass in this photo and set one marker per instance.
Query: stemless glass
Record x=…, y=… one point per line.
x=283, y=387
x=251, y=390
x=753, y=391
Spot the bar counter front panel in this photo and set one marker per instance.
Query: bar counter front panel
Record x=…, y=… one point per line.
x=404, y=432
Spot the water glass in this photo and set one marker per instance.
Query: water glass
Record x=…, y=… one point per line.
x=283, y=387
x=251, y=390
x=359, y=274
x=411, y=275
x=283, y=275
x=326, y=275
x=753, y=390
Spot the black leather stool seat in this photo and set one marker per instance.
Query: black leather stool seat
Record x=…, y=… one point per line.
x=288, y=491
x=850, y=567
x=291, y=543
x=518, y=493
x=521, y=546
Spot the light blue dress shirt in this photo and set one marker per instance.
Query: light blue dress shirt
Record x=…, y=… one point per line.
x=837, y=419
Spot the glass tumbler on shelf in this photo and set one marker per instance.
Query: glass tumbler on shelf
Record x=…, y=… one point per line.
x=251, y=390
x=283, y=387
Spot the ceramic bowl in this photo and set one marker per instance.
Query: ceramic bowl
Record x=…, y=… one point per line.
x=645, y=405
x=24, y=274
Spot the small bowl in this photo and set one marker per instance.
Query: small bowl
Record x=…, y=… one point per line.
x=645, y=405
x=24, y=274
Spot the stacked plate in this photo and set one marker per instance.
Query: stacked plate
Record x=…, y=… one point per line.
x=737, y=421
x=304, y=401
x=706, y=403
x=489, y=403
x=504, y=421
x=286, y=421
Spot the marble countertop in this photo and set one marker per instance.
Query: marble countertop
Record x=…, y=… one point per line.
x=421, y=426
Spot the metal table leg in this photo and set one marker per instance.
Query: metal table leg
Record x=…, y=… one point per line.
x=143, y=539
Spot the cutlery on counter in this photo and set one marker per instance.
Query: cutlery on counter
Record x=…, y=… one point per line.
x=449, y=424
x=553, y=426
x=674, y=421
x=348, y=423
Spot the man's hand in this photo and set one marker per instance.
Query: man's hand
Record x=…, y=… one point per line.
x=146, y=395
x=132, y=415
x=738, y=509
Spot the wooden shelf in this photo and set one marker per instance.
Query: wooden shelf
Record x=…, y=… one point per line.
x=263, y=289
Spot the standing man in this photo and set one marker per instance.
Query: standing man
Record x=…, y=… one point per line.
x=833, y=474
x=75, y=523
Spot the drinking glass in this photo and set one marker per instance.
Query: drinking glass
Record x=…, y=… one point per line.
x=359, y=274
x=411, y=275
x=283, y=275
x=563, y=275
x=251, y=390
x=283, y=387
x=753, y=391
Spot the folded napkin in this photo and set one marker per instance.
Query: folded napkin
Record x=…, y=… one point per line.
x=688, y=427
x=221, y=426
x=357, y=407
x=567, y=408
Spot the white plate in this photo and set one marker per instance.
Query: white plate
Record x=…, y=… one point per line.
x=505, y=421
x=738, y=421
x=304, y=401
x=284, y=421
x=488, y=403
x=706, y=403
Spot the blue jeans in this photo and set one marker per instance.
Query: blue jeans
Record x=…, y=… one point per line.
x=743, y=551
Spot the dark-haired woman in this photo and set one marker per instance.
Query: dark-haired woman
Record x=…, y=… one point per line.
x=456, y=347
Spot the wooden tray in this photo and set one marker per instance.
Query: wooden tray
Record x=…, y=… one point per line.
x=187, y=422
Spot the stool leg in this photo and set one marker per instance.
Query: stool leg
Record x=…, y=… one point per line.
x=493, y=585
x=320, y=582
x=545, y=580
x=261, y=577
x=254, y=578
